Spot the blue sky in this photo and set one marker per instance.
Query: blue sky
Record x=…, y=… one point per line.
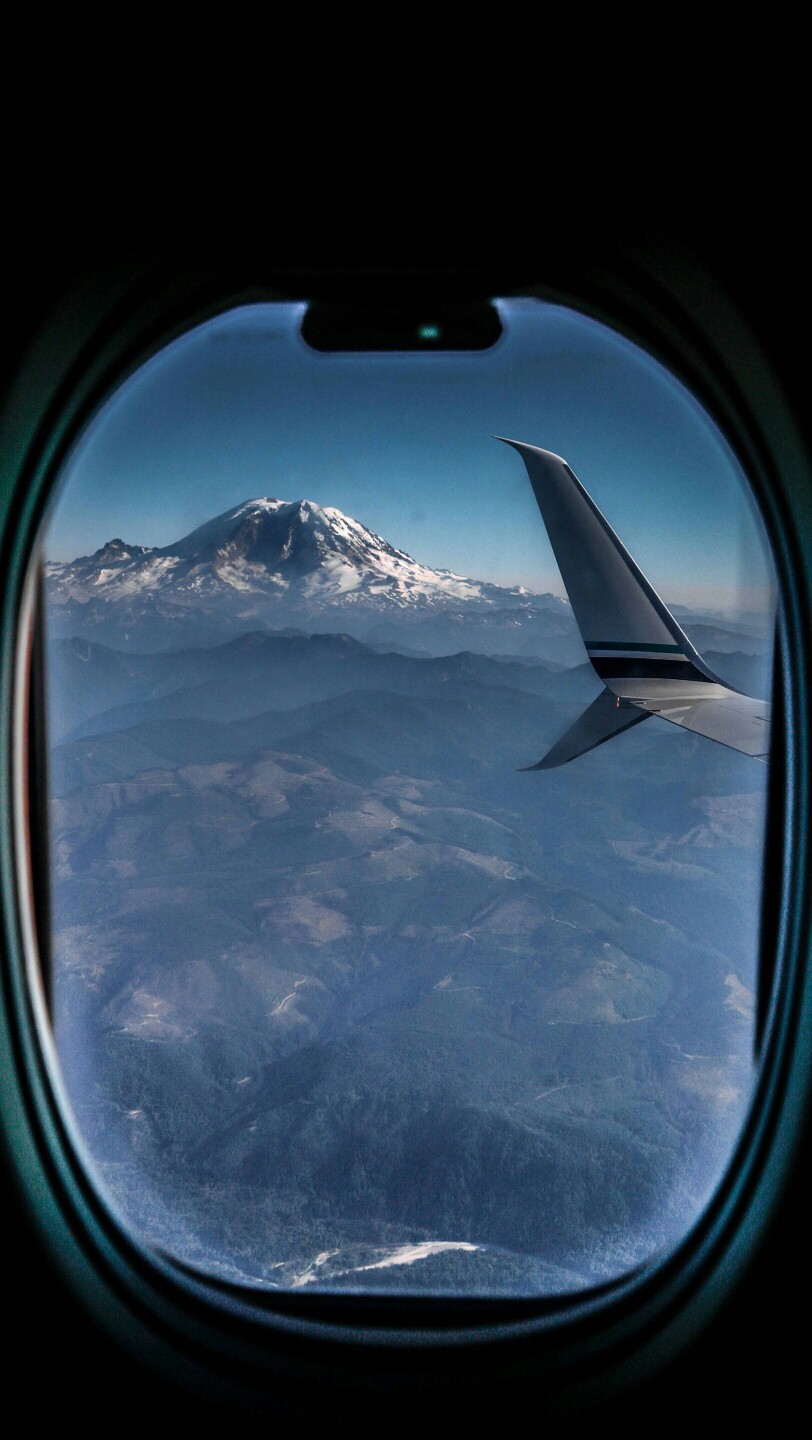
x=240, y=407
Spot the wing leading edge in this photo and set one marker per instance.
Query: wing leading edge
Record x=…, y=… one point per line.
x=636, y=647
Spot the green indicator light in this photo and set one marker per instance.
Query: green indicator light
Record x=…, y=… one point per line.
x=428, y=332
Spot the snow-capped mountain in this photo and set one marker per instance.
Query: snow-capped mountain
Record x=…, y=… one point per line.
x=275, y=563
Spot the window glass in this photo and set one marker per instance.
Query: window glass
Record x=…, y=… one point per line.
x=344, y=996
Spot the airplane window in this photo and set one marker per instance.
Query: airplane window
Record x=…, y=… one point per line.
x=406, y=798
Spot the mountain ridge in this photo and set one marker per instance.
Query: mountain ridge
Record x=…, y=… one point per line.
x=272, y=562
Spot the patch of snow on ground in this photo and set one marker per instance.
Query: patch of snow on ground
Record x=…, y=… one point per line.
x=407, y=1254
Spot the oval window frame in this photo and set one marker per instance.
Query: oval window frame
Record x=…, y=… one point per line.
x=125, y=320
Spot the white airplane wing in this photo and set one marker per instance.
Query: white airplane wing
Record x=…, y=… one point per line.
x=636, y=647
x=732, y=719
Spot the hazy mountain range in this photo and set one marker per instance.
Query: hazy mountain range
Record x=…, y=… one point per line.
x=342, y=998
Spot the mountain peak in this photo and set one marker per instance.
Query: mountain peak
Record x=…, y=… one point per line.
x=288, y=539
x=115, y=552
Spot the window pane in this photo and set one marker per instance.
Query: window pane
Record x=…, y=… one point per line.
x=344, y=996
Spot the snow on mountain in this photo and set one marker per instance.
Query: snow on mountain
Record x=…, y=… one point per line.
x=276, y=563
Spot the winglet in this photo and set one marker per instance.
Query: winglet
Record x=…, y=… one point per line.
x=634, y=644
x=617, y=610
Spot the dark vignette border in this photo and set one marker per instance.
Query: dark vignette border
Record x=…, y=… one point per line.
x=246, y=1347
